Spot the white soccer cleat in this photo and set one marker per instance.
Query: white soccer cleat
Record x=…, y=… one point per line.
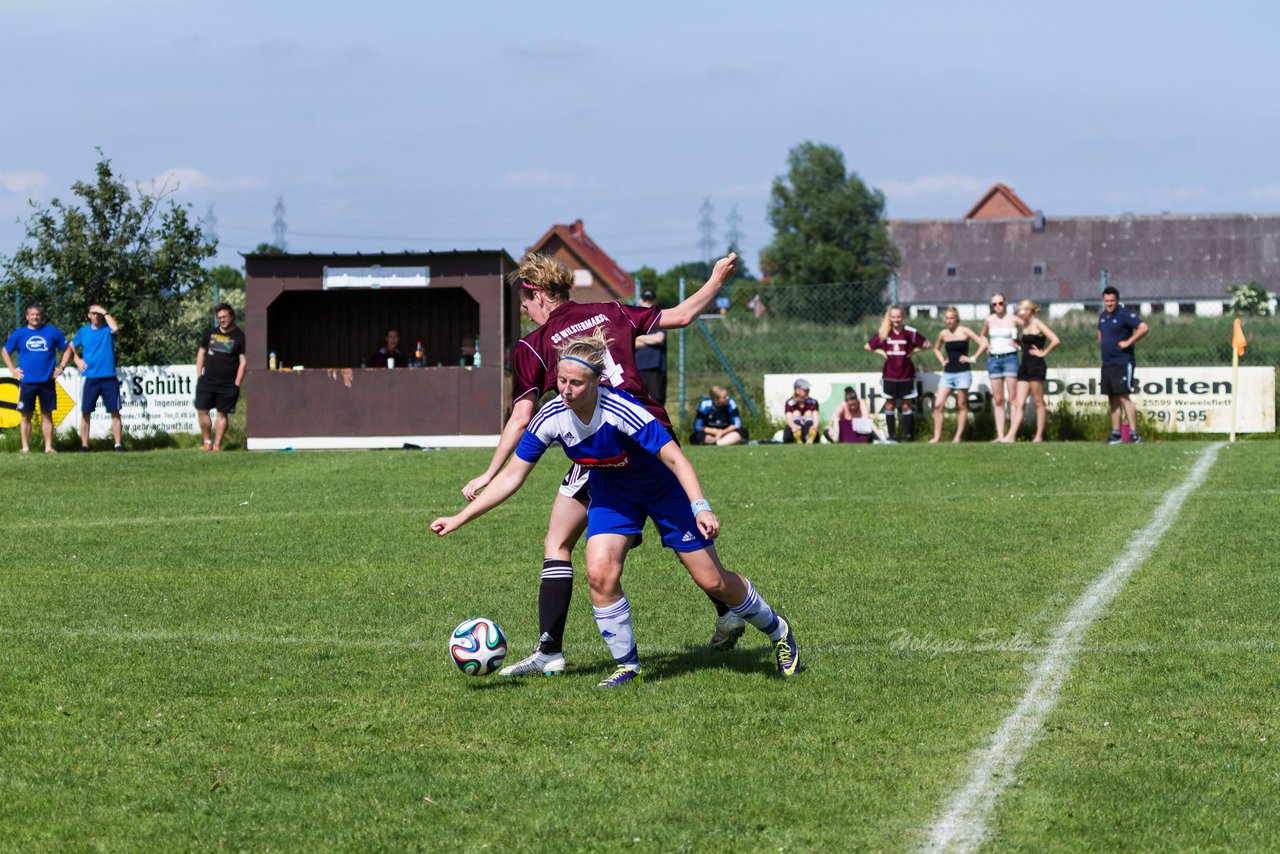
x=729, y=628
x=538, y=664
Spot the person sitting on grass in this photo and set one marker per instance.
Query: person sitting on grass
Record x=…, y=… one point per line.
x=801, y=415
x=852, y=422
x=718, y=421
x=637, y=472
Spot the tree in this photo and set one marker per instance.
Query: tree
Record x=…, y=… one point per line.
x=129, y=250
x=1250, y=299
x=829, y=229
x=267, y=249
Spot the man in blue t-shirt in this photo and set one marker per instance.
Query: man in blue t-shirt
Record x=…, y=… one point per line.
x=718, y=421
x=37, y=346
x=1119, y=328
x=97, y=364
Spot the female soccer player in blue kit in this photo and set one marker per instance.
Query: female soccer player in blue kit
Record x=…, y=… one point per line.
x=637, y=472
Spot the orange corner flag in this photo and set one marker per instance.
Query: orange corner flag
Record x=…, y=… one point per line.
x=1237, y=339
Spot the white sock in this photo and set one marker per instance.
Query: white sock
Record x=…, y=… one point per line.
x=757, y=612
x=615, y=627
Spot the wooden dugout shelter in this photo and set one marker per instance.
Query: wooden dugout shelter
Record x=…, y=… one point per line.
x=324, y=315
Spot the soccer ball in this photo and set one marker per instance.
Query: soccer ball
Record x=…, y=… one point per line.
x=478, y=646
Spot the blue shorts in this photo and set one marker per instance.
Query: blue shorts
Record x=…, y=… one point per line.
x=1002, y=366
x=108, y=388
x=958, y=379
x=611, y=513
x=46, y=393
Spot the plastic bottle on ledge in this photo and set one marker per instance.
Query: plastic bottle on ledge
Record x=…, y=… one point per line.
x=271, y=361
x=475, y=360
x=417, y=356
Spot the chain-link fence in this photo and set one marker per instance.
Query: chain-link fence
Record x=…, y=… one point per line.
x=810, y=329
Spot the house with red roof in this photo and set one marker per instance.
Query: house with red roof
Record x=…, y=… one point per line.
x=596, y=276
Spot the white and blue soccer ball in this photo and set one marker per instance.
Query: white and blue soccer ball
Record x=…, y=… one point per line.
x=478, y=646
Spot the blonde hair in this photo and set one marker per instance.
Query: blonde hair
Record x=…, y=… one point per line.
x=591, y=348
x=543, y=273
x=1030, y=305
x=951, y=309
x=885, y=325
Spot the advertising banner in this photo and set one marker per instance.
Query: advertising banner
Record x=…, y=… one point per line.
x=1179, y=400
x=152, y=399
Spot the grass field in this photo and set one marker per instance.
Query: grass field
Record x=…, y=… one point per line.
x=248, y=652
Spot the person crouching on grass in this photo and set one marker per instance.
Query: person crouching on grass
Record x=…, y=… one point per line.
x=637, y=471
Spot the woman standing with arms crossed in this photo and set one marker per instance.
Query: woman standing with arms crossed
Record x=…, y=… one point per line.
x=637, y=472
x=896, y=343
x=1038, y=341
x=1001, y=331
x=957, y=373
x=544, y=285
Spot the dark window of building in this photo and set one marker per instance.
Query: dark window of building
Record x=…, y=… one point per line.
x=951, y=269
x=1157, y=308
x=923, y=312
x=1186, y=308
x=1037, y=269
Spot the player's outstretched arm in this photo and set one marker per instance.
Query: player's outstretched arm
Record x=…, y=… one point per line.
x=521, y=415
x=674, y=459
x=505, y=485
x=696, y=303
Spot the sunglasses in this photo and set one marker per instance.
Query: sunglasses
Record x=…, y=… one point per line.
x=996, y=304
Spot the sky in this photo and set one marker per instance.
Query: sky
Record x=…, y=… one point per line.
x=386, y=126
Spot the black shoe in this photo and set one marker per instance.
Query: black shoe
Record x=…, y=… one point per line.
x=84, y=449
x=1135, y=439
x=119, y=448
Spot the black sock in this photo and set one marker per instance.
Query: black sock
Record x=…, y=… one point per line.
x=891, y=420
x=908, y=426
x=721, y=608
x=554, y=594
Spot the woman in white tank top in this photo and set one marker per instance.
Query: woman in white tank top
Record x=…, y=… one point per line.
x=1001, y=329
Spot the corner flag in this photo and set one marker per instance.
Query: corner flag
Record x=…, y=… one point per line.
x=1237, y=339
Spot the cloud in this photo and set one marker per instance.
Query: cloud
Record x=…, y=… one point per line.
x=549, y=50
x=359, y=52
x=762, y=188
x=23, y=182
x=1269, y=194
x=188, y=179
x=933, y=186
x=275, y=48
x=544, y=179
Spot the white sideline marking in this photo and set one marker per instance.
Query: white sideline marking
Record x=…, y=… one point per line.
x=963, y=824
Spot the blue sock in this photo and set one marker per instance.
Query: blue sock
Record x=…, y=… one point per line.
x=615, y=627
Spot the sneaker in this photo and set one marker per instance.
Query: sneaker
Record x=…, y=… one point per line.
x=624, y=674
x=83, y=449
x=546, y=664
x=729, y=628
x=1115, y=439
x=1135, y=439
x=116, y=448
x=787, y=650
x=206, y=445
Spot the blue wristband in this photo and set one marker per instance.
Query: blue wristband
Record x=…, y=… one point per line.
x=702, y=505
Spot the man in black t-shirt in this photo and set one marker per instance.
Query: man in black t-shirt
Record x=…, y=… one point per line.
x=220, y=365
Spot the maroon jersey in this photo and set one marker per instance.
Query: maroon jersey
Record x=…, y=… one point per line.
x=807, y=408
x=533, y=364
x=898, y=346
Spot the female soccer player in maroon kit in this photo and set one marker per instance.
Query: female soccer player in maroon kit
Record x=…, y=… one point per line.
x=545, y=285
x=896, y=342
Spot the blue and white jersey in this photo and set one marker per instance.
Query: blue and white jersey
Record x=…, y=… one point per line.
x=619, y=445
